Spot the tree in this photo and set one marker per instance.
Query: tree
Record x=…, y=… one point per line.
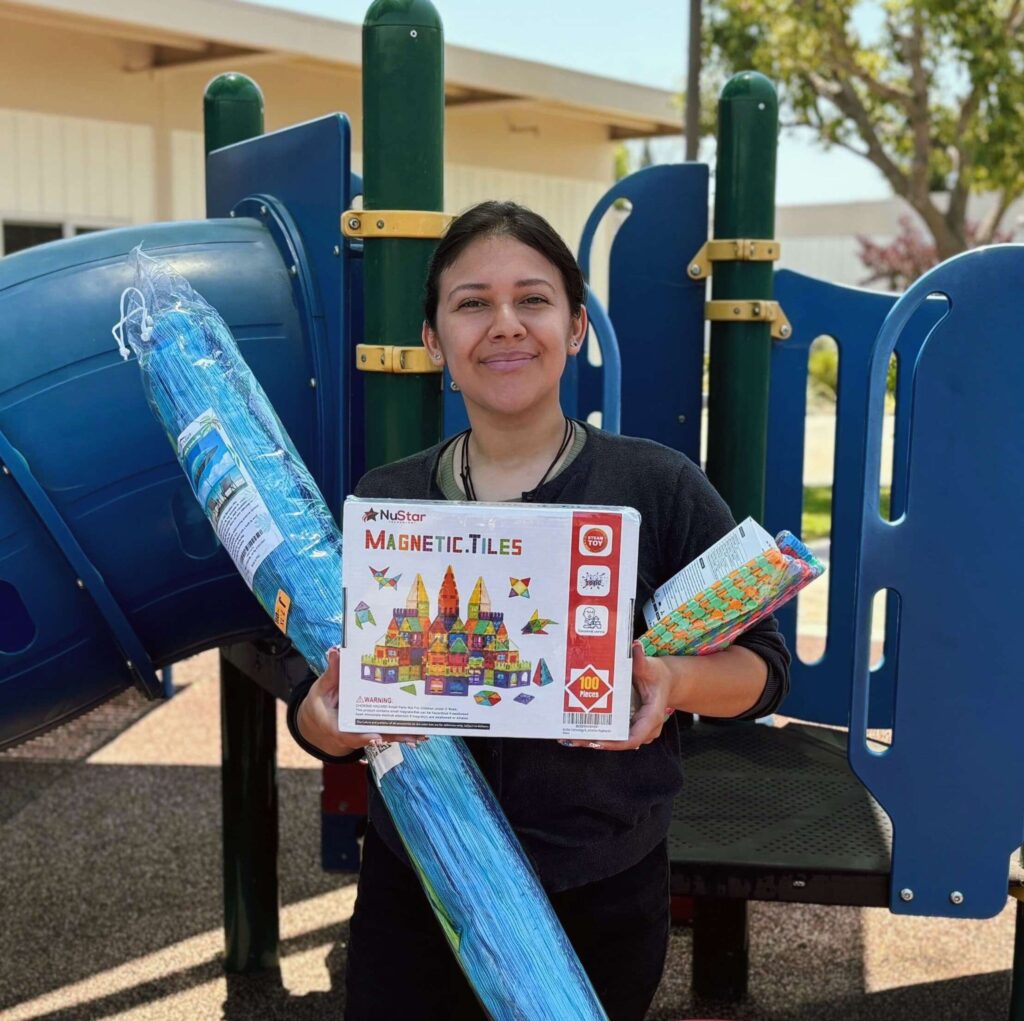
x=935, y=99
x=899, y=262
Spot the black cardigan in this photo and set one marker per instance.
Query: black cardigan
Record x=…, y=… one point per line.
x=582, y=814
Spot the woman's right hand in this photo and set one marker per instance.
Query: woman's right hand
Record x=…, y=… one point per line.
x=317, y=716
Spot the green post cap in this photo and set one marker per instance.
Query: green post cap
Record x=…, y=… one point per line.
x=233, y=87
x=232, y=110
x=750, y=85
x=403, y=14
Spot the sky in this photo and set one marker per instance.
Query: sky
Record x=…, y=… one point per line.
x=648, y=46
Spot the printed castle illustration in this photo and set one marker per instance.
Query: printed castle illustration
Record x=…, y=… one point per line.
x=447, y=654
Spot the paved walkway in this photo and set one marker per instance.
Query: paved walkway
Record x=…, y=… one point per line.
x=112, y=909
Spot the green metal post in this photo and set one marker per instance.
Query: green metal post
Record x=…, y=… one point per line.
x=748, y=127
x=403, y=168
x=233, y=112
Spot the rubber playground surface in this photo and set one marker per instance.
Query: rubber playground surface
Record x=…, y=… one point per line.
x=112, y=901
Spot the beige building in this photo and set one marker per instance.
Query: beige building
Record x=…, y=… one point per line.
x=101, y=112
x=821, y=240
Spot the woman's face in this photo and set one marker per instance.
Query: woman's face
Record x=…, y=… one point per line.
x=504, y=327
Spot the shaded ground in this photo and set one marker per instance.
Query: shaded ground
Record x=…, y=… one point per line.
x=111, y=895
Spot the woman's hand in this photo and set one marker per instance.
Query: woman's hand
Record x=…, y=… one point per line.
x=653, y=679
x=317, y=717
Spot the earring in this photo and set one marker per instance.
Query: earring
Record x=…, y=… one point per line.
x=574, y=343
x=453, y=386
x=437, y=356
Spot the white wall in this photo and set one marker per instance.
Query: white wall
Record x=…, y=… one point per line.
x=59, y=168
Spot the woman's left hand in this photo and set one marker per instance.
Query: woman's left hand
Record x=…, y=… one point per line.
x=653, y=682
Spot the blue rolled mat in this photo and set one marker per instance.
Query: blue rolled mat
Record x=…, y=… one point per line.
x=270, y=516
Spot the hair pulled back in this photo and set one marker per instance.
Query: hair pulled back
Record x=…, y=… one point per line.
x=502, y=219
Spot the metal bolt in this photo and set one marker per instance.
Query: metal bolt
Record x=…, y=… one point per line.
x=681, y=419
x=79, y=583
x=263, y=210
x=362, y=358
x=413, y=33
x=337, y=249
x=294, y=270
x=695, y=270
x=380, y=225
x=312, y=383
x=956, y=897
x=353, y=223
x=784, y=331
x=906, y=895
x=736, y=310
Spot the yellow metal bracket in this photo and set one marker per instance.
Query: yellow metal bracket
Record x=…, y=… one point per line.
x=394, y=223
x=731, y=250
x=740, y=311
x=392, y=358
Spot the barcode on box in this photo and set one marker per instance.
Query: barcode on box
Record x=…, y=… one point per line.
x=583, y=719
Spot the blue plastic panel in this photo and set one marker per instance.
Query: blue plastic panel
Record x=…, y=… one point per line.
x=820, y=691
x=657, y=310
x=950, y=781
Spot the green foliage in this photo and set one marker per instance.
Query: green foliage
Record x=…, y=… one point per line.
x=931, y=93
x=817, y=516
x=621, y=161
x=823, y=369
x=823, y=366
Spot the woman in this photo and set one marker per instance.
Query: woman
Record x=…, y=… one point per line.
x=504, y=310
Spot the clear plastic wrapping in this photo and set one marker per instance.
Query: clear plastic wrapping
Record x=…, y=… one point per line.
x=244, y=470
x=716, y=616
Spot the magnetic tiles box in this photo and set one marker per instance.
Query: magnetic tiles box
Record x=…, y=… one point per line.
x=474, y=619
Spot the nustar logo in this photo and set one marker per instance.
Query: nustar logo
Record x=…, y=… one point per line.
x=386, y=514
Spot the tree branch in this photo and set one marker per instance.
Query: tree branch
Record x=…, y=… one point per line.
x=920, y=125
x=957, y=211
x=845, y=98
x=988, y=227
x=846, y=62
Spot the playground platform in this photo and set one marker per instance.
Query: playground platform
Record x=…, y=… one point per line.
x=111, y=888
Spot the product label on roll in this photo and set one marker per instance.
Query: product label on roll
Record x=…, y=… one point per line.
x=227, y=494
x=281, y=607
x=383, y=758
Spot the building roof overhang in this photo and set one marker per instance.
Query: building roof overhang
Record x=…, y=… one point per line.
x=195, y=34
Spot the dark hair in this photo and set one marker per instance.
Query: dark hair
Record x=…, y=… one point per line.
x=502, y=219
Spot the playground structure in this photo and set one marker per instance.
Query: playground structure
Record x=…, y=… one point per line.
x=108, y=570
